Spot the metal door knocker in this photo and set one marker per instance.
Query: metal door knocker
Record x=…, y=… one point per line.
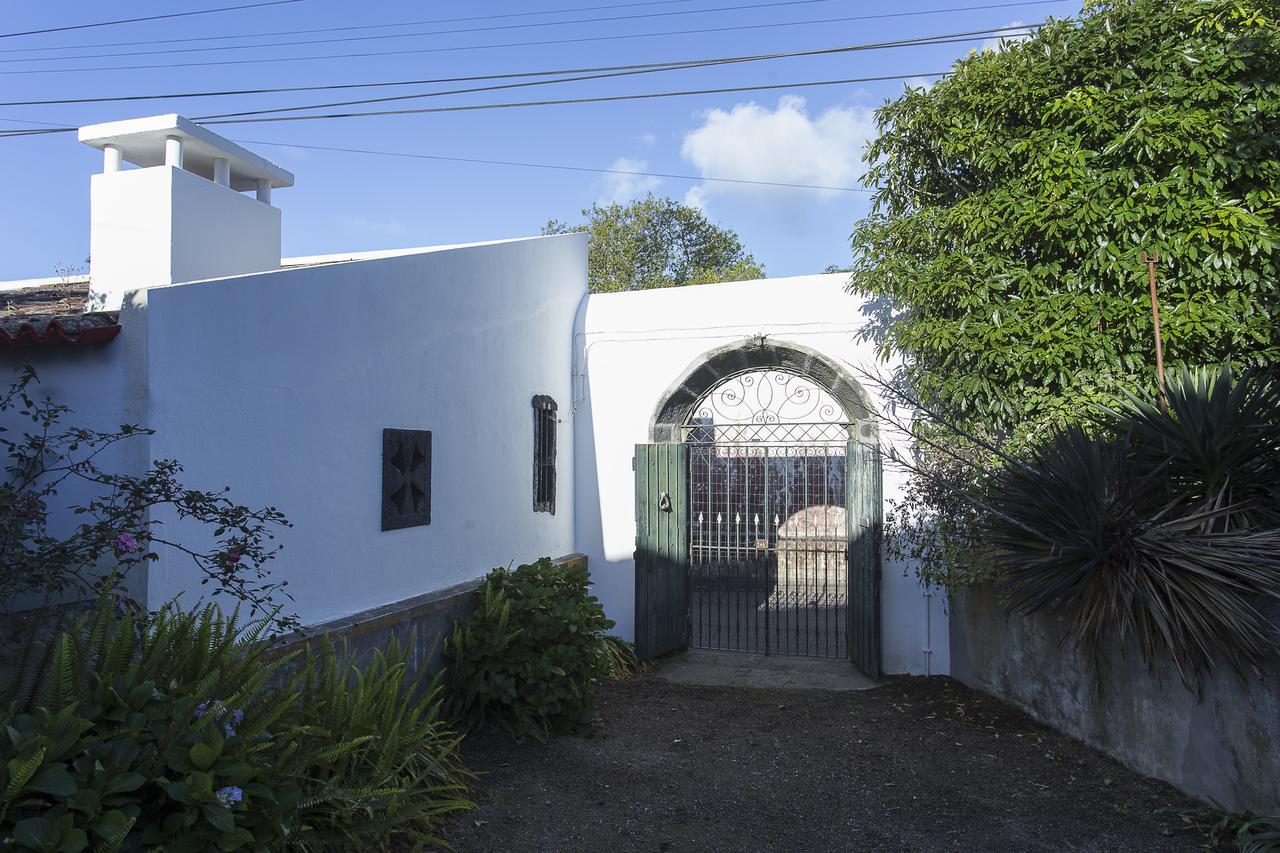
x=664, y=502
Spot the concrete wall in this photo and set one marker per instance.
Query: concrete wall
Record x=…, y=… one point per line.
x=631, y=347
x=280, y=384
x=1220, y=747
x=420, y=624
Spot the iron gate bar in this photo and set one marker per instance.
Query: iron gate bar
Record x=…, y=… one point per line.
x=765, y=540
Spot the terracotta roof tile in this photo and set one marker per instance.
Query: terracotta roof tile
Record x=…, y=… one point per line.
x=52, y=315
x=60, y=299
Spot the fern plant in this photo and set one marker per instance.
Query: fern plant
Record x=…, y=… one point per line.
x=382, y=766
x=138, y=732
x=130, y=732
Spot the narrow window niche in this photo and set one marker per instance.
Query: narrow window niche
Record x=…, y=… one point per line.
x=406, y=478
x=544, y=454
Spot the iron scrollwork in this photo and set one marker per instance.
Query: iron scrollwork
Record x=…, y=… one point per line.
x=768, y=397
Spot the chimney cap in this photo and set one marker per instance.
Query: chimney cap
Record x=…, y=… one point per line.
x=142, y=141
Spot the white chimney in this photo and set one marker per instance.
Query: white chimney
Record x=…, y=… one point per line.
x=180, y=216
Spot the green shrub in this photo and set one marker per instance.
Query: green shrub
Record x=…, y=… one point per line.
x=138, y=733
x=532, y=653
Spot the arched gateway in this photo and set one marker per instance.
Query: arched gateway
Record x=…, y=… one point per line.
x=758, y=510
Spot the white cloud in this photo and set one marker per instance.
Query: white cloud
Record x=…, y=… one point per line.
x=647, y=139
x=622, y=188
x=786, y=145
x=1001, y=42
x=373, y=226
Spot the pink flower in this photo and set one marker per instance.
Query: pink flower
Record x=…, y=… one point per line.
x=233, y=558
x=126, y=544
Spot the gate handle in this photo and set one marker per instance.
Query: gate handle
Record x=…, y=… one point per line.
x=664, y=502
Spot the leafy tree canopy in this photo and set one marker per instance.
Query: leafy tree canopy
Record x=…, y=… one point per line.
x=1014, y=199
x=657, y=242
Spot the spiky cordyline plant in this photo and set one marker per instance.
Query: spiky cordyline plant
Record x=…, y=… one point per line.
x=1087, y=527
x=1216, y=446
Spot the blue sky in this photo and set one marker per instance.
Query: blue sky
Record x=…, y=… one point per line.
x=351, y=202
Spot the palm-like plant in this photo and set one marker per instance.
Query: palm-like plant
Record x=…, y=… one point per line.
x=1216, y=444
x=1163, y=530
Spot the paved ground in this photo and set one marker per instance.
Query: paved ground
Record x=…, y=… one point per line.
x=728, y=669
x=915, y=764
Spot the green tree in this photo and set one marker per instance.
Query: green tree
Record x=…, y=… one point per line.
x=1014, y=198
x=657, y=242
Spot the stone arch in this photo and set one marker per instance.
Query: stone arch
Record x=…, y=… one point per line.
x=760, y=353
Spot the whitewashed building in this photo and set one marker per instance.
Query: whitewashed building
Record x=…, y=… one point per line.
x=296, y=381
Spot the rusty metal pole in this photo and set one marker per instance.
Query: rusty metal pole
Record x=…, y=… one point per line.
x=1151, y=261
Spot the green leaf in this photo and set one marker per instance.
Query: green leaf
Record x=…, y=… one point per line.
x=53, y=780
x=204, y=756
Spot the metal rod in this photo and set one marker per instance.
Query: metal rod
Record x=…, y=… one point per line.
x=1151, y=261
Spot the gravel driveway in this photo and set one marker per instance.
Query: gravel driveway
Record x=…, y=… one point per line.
x=915, y=764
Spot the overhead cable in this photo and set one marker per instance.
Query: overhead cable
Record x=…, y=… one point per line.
x=66, y=27
x=447, y=49
x=519, y=104
x=383, y=36
x=708, y=63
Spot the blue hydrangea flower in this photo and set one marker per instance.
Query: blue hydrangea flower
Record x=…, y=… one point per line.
x=231, y=720
x=230, y=795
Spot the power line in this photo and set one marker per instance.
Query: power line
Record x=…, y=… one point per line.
x=466, y=79
x=59, y=125
x=349, y=29
x=67, y=27
x=611, y=73
x=545, y=103
x=566, y=101
x=480, y=161
x=450, y=49
x=383, y=36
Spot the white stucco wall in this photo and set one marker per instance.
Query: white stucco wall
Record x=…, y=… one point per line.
x=104, y=386
x=161, y=225
x=279, y=384
x=628, y=350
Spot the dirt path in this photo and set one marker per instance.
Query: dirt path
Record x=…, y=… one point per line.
x=917, y=764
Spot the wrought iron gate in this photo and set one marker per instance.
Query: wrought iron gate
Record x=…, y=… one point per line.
x=768, y=536
x=768, y=547
x=760, y=531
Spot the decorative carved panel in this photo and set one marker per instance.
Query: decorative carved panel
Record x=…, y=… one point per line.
x=406, y=478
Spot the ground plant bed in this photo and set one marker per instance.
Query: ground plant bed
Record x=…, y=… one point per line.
x=916, y=764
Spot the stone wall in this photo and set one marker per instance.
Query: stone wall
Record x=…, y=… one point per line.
x=1222, y=747
x=421, y=623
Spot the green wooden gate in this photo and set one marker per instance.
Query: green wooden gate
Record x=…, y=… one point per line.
x=864, y=508
x=662, y=549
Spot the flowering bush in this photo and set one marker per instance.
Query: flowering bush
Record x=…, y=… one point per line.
x=113, y=741
x=118, y=528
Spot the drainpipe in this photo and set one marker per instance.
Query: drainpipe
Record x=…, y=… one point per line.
x=928, y=631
